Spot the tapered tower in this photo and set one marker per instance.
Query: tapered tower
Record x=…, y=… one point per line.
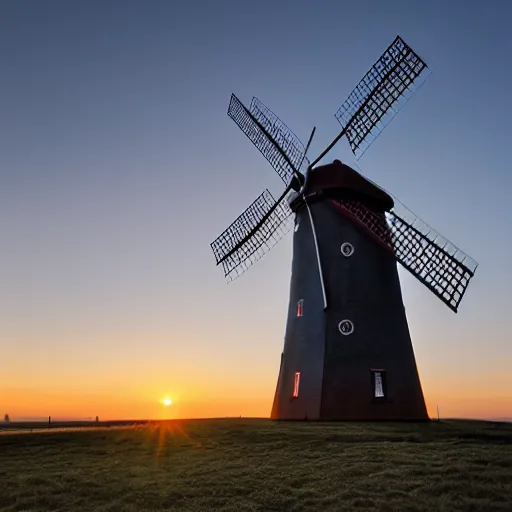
x=355, y=359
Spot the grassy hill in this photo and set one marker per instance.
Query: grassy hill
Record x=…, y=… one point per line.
x=238, y=465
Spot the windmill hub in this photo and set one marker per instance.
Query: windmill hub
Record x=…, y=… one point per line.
x=347, y=353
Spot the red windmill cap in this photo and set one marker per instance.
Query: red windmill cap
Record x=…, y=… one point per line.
x=339, y=177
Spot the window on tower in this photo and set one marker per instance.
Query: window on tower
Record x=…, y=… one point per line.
x=300, y=307
x=296, y=383
x=379, y=384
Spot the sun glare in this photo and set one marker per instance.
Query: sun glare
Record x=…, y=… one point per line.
x=167, y=401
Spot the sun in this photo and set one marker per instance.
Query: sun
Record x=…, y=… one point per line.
x=167, y=401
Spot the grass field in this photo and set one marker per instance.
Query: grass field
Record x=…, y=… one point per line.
x=238, y=465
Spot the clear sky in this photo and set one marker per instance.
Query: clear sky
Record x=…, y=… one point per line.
x=119, y=166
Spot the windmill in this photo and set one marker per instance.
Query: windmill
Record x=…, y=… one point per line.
x=347, y=353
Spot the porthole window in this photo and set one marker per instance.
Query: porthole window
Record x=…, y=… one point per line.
x=346, y=327
x=347, y=249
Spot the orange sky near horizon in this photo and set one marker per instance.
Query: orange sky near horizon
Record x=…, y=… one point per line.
x=215, y=377
x=144, y=402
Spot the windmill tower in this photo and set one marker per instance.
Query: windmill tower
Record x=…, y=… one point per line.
x=347, y=353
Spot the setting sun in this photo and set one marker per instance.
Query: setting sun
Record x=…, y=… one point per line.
x=167, y=402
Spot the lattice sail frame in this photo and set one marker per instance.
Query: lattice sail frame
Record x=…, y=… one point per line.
x=380, y=94
x=242, y=226
x=433, y=260
x=274, y=227
x=289, y=143
x=275, y=141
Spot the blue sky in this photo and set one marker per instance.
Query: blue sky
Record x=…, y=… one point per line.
x=119, y=166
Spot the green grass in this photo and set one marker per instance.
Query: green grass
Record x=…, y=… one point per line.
x=238, y=465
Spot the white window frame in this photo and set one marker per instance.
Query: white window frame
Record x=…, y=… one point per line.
x=379, y=391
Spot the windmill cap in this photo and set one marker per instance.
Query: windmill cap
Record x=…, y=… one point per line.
x=340, y=180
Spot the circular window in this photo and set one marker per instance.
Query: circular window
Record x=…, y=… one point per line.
x=296, y=228
x=347, y=249
x=346, y=327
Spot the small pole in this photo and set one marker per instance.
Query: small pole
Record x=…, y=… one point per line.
x=49, y=420
x=438, y=413
x=315, y=240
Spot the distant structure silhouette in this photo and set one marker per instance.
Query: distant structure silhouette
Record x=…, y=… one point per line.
x=6, y=418
x=347, y=351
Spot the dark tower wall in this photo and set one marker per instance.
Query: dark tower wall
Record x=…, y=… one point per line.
x=336, y=380
x=303, y=346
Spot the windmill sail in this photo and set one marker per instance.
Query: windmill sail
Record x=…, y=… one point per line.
x=443, y=268
x=290, y=144
x=380, y=94
x=252, y=234
x=270, y=135
x=377, y=98
x=432, y=259
x=244, y=224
